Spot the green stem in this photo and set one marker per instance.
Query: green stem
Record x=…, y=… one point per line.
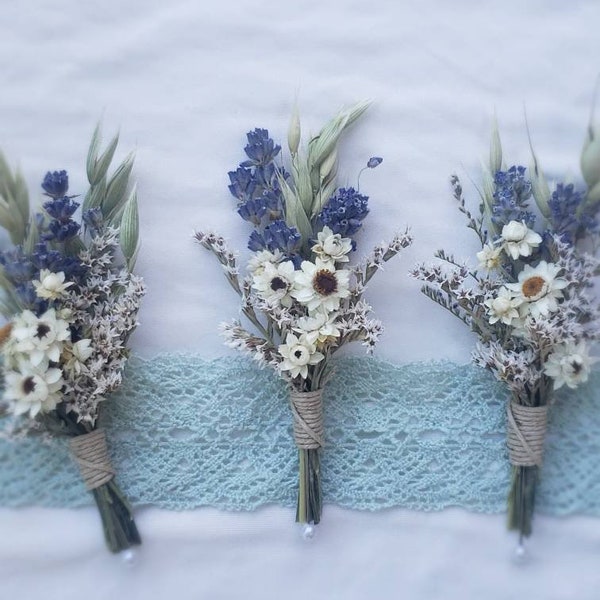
x=120, y=530
x=310, y=502
x=521, y=500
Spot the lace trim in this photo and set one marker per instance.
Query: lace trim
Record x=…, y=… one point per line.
x=184, y=432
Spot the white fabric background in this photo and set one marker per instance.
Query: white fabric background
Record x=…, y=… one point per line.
x=184, y=81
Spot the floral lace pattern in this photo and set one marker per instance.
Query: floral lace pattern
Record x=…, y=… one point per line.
x=187, y=432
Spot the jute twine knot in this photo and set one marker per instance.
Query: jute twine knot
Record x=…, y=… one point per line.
x=526, y=434
x=91, y=454
x=307, y=409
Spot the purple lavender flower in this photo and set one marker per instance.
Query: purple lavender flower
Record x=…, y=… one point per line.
x=18, y=267
x=566, y=217
x=61, y=228
x=260, y=149
x=276, y=236
x=61, y=209
x=45, y=257
x=56, y=183
x=512, y=191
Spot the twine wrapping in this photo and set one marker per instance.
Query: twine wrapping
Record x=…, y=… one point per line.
x=307, y=409
x=526, y=434
x=91, y=453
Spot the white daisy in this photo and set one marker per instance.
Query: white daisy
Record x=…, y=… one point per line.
x=33, y=390
x=51, y=286
x=321, y=324
x=319, y=286
x=503, y=308
x=519, y=240
x=539, y=289
x=256, y=264
x=332, y=247
x=40, y=337
x=489, y=257
x=298, y=353
x=569, y=364
x=274, y=284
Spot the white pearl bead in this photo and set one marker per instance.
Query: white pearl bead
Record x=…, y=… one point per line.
x=520, y=555
x=308, y=531
x=129, y=556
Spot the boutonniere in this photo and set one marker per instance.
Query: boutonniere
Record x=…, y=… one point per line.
x=530, y=299
x=302, y=296
x=71, y=300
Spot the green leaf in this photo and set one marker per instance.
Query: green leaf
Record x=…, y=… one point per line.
x=116, y=192
x=22, y=196
x=97, y=167
x=129, y=230
x=95, y=196
x=33, y=236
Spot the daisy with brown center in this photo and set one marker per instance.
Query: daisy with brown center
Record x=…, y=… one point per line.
x=539, y=289
x=274, y=283
x=41, y=337
x=32, y=389
x=569, y=364
x=319, y=286
x=298, y=353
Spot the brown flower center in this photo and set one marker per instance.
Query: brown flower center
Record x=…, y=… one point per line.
x=28, y=385
x=325, y=282
x=42, y=331
x=533, y=286
x=577, y=367
x=278, y=284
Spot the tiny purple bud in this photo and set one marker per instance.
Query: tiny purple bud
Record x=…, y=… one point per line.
x=374, y=161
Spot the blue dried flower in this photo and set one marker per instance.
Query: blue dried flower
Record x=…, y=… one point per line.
x=45, y=257
x=276, y=236
x=242, y=184
x=261, y=149
x=56, y=183
x=18, y=267
x=61, y=209
x=374, y=161
x=62, y=227
x=253, y=210
x=93, y=219
x=61, y=232
x=511, y=193
x=344, y=211
x=565, y=217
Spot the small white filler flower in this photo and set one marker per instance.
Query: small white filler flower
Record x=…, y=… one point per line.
x=320, y=323
x=569, y=364
x=489, y=257
x=256, y=265
x=503, y=308
x=519, y=240
x=332, y=247
x=51, y=286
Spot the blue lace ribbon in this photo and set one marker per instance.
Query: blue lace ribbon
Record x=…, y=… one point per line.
x=184, y=432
